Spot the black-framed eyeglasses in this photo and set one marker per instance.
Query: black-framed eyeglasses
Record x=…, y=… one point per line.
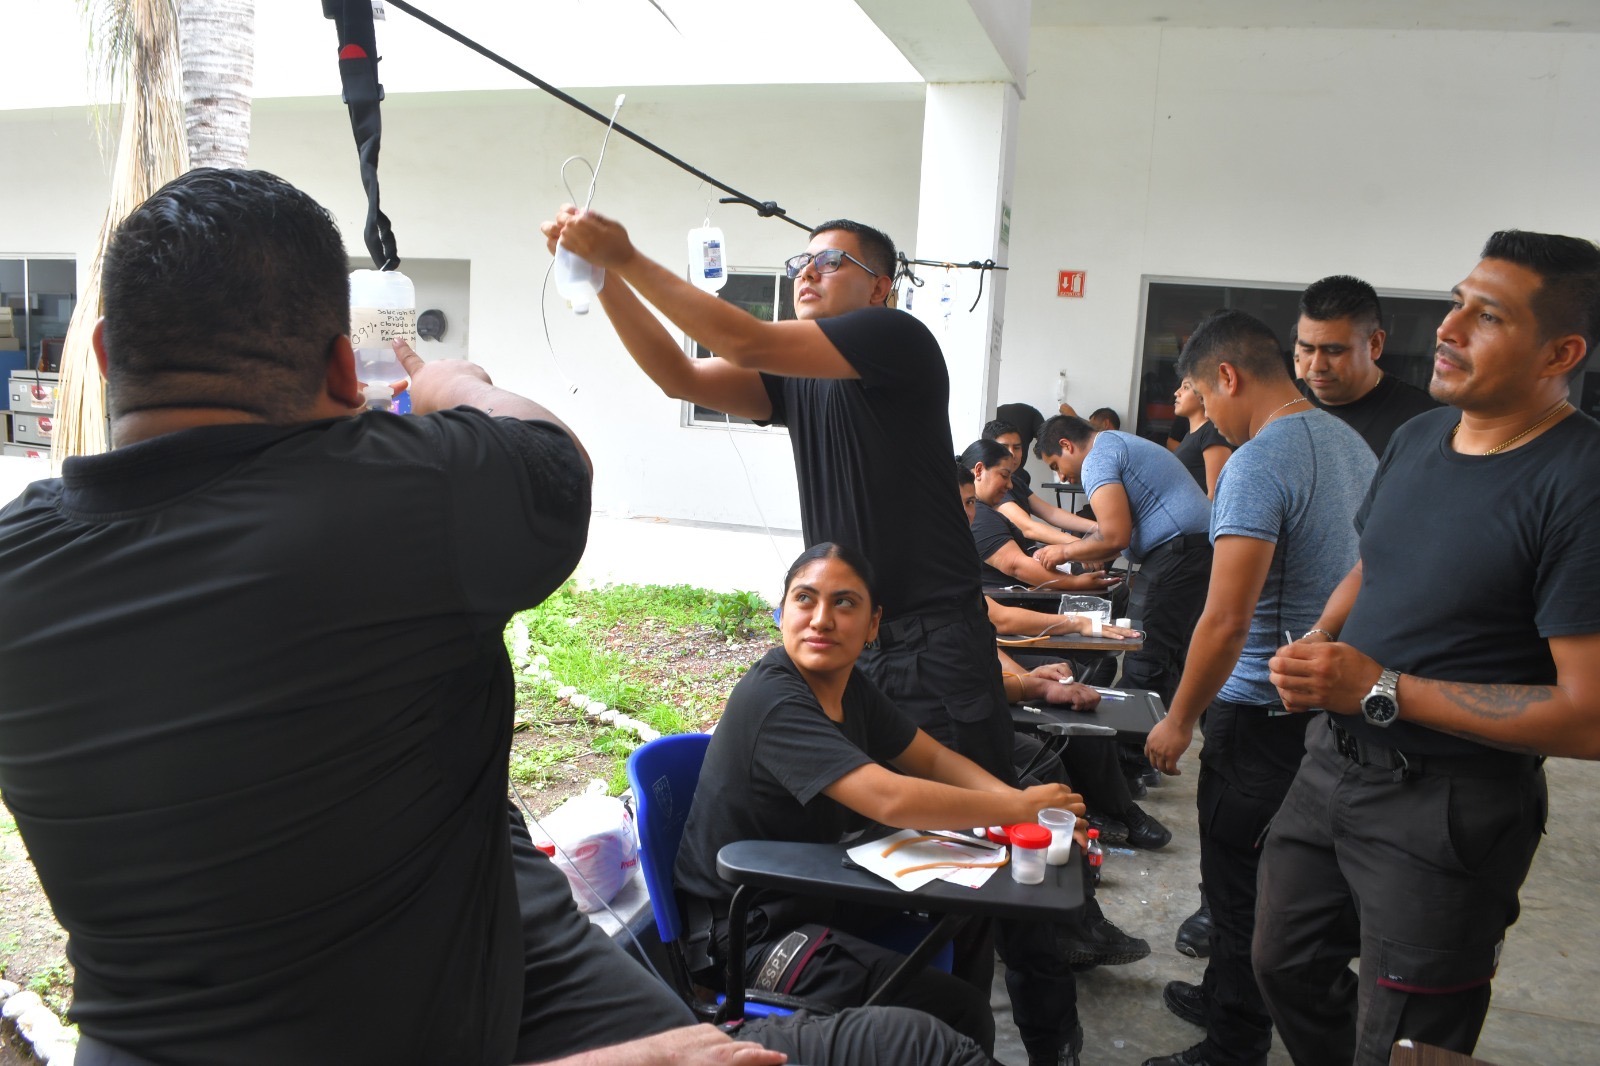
x=828, y=260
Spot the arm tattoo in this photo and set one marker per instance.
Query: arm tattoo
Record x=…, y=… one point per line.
x=1494, y=702
x=1518, y=749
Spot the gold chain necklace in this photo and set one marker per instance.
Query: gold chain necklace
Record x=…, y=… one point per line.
x=1503, y=445
x=1291, y=403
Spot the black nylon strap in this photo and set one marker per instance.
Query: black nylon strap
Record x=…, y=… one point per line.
x=358, y=71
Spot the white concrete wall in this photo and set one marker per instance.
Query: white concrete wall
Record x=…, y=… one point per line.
x=468, y=176
x=1254, y=155
x=1276, y=155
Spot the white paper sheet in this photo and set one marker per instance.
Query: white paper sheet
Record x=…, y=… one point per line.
x=870, y=857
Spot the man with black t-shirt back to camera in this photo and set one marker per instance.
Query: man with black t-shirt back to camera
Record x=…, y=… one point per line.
x=1338, y=343
x=860, y=386
x=1416, y=811
x=271, y=812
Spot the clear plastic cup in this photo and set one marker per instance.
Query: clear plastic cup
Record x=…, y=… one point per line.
x=1061, y=824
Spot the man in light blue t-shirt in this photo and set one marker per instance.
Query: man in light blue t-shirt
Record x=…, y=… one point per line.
x=1284, y=536
x=1147, y=505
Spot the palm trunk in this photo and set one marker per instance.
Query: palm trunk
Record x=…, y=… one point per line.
x=218, y=50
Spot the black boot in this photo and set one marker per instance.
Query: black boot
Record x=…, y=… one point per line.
x=1187, y=1001
x=1066, y=1055
x=1189, y=1056
x=1094, y=941
x=1194, y=935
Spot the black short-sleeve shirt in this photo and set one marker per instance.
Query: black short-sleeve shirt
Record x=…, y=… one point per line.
x=1471, y=563
x=1388, y=406
x=1192, y=451
x=256, y=723
x=872, y=456
x=773, y=754
x=991, y=531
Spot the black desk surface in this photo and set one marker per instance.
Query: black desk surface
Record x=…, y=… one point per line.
x=1028, y=596
x=817, y=870
x=1068, y=642
x=1134, y=715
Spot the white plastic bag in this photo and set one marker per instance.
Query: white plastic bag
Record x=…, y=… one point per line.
x=595, y=838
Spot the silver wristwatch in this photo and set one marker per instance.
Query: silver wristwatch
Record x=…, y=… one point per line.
x=1381, y=706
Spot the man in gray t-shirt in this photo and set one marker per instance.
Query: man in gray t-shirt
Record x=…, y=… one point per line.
x=1283, y=533
x=1145, y=504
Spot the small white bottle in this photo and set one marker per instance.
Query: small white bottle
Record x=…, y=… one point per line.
x=577, y=280
x=707, y=259
x=383, y=308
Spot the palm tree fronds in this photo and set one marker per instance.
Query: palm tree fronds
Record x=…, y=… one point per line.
x=150, y=152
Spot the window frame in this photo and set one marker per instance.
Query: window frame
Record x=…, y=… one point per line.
x=694, y=416
x=1144, y=362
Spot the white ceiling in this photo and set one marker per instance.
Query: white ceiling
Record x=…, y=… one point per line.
x=1580, y=16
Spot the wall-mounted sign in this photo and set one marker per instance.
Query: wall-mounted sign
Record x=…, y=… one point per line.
x=1070, y=283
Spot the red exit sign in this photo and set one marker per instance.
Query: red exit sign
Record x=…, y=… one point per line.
x=1070, y=283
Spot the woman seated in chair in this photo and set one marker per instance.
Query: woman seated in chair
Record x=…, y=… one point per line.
x=797, y=756
x=1001, y=545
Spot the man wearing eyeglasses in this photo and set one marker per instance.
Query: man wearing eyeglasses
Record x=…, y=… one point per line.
x=864, y=392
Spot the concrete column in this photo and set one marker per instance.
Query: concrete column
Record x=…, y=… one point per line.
x=968, y=159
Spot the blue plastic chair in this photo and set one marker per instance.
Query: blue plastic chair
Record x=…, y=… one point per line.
x=663, y=775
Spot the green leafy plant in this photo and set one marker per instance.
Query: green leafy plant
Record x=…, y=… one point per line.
x=53, y=985
x=735, y=614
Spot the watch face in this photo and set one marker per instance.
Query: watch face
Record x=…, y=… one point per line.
x=1379, y=709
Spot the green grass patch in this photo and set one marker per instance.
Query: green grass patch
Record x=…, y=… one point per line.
x=54, y=986
x=614, y=645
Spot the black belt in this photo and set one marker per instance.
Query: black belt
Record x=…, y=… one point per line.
x=910, y=628
x=1182, y=540
x=1487, y=764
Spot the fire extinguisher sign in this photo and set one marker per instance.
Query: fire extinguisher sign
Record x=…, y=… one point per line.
x=1070, y=283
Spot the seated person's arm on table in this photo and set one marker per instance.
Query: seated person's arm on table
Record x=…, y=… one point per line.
x=1014, y=562
x=1114, y=529
x=1049, y=683
x=955, y=792
x=1019, y=621
x=1033, y=528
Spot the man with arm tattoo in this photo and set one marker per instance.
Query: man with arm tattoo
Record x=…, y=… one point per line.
x=1462, y=648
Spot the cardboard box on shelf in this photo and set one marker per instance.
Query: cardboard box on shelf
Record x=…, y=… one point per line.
x=27, y=451
x=10, y=344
